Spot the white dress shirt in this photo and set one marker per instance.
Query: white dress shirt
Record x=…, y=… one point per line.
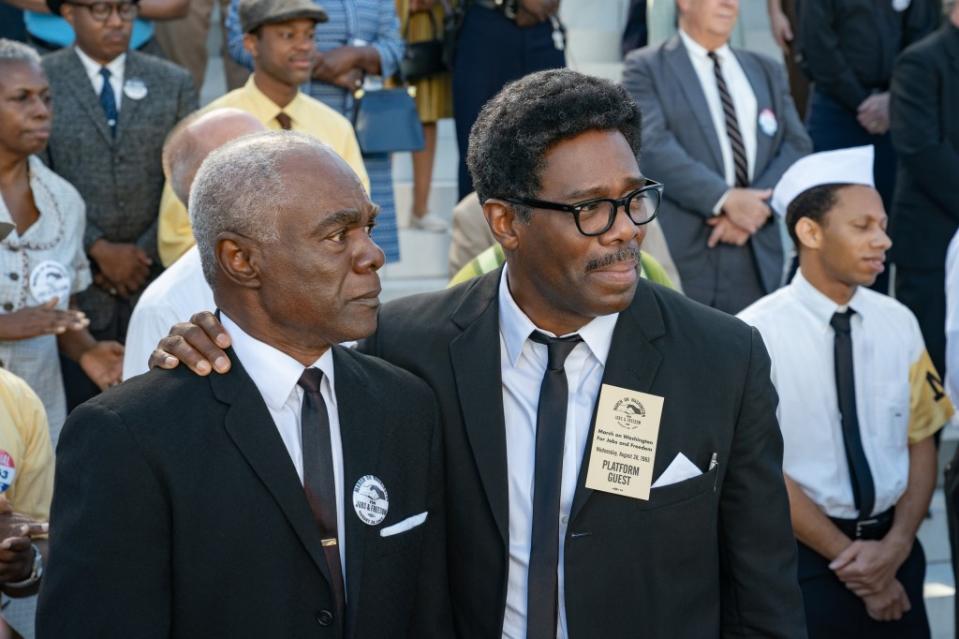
x=175, y=296
x=117, y=68
x=523, y=364
x=275, y=375
x=744, y=100
x=887, y=345
x=952, y=319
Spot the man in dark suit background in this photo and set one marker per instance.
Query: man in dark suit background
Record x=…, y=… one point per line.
x=299, y=495
x=719, y=130
x=540, y=555
x=112, y=110
x=924, y=123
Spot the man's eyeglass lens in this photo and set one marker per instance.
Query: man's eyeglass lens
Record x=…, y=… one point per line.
x=596, y=218
x=101, y=10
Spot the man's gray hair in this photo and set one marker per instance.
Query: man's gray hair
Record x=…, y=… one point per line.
x=13, y=51
x=239, y=188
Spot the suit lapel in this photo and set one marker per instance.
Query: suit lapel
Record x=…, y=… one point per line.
x=129, y=107
x=361, y=423
x=475, y=356
x=633, y=363
x=249, y=424
x=758, y=80
x=79, y=83
x=678, y=59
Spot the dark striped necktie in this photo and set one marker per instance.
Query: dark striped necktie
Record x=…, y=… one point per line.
x=732, y=125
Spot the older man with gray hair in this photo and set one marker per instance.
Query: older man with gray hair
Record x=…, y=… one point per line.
x=181, y=290
x=305, y=485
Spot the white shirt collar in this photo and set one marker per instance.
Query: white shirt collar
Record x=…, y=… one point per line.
x=699, y=51
x=273, y=372
x=116, y=66
x=818, y=303
x=516, y=326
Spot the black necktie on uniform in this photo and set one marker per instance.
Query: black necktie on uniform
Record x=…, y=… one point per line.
x=732, y=125
x=863, y=489
x=318, y=477
x=543, y=588
x=286, y=122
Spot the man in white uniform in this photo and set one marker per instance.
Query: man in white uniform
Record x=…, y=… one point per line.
x=860, y=403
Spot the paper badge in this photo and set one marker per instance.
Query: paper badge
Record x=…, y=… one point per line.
x=48, y=280
x=624, y=442
x=370, y=500
x=135, y=89
x=768, y=123
x=8, y=471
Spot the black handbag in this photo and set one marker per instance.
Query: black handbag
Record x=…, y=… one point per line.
x=386, y=120
x=425, y=58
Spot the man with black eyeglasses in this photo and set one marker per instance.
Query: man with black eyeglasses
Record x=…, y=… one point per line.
x=113, y=108
x=613, y=460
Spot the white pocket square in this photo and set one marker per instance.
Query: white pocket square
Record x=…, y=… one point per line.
x=680, y=469
x=403, y=526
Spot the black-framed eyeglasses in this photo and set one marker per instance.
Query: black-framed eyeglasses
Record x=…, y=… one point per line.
x=101, y=11
x=595, y=217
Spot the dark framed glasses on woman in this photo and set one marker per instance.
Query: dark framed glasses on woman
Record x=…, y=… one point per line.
x=595, y=217
x=100, y=11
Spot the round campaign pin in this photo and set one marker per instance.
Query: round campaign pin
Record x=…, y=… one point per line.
x=49, y=279
x=370, y=500
x=135, y=89
x=900, y=5
x=8, y=471
x=767, y=122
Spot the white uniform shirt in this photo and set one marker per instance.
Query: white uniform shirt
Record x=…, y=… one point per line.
x=523, y=364
x=177, y=294
x=275, y=375
x=117, y=68
x=952, y=319
x=889, y=362
x=744, y=100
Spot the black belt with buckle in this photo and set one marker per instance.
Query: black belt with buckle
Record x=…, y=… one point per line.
x=872, y=528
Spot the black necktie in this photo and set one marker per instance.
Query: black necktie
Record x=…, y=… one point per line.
x=108, y=100
x=318, y=477
x=543, y=588
x=863, y=489
x=286, y=122
x=732, y=125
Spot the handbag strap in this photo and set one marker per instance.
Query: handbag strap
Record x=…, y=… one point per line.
x=409, y=19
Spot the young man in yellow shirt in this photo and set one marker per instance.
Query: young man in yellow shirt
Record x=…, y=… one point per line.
x=279, y=36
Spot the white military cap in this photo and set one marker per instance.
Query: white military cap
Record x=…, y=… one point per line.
x=845, y=166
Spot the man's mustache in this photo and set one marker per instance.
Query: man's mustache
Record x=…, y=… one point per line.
x=621, y=255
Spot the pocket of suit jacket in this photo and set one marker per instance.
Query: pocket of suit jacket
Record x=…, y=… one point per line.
x=682, y=491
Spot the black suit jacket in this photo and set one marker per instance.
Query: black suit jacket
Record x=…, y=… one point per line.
x=178, y=513
x=924, y=119
x=707, y=557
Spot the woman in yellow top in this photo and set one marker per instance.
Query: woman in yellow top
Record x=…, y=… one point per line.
x=434, y=101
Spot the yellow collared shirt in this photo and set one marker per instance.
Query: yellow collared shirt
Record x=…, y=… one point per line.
x=308, y=115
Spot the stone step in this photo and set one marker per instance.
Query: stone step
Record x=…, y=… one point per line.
x=940, y=587
x=443, y=197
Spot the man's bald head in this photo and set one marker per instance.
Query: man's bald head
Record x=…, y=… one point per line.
x=196, y=137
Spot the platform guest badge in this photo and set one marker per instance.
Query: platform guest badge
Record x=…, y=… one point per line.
x=624, y=442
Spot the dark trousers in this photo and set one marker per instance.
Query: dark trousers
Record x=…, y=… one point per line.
x=490, y=52
x=923, y=291
x=77, y=386
x=832, y=127
x=834, y=612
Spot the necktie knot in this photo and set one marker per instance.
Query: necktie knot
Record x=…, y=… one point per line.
x=841, y=322
x=310, y=380
x=557, y=348
x=714, y=57
x=286, y=122
x=105, y=72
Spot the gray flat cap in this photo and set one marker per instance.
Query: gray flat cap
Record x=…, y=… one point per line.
x=256, y=13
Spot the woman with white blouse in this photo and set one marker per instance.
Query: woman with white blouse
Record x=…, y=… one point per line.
x=42, y=262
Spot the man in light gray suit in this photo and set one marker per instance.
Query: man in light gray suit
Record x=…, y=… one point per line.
x=719, y=129
x=112, y=108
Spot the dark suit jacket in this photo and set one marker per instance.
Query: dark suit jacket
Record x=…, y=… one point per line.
x=120, y=178
x=681, y=150
x=925, y=131
x=178, y=513
x=707, y=557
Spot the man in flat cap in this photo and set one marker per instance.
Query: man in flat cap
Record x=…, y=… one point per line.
x=279, y=37
x=860, y=401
